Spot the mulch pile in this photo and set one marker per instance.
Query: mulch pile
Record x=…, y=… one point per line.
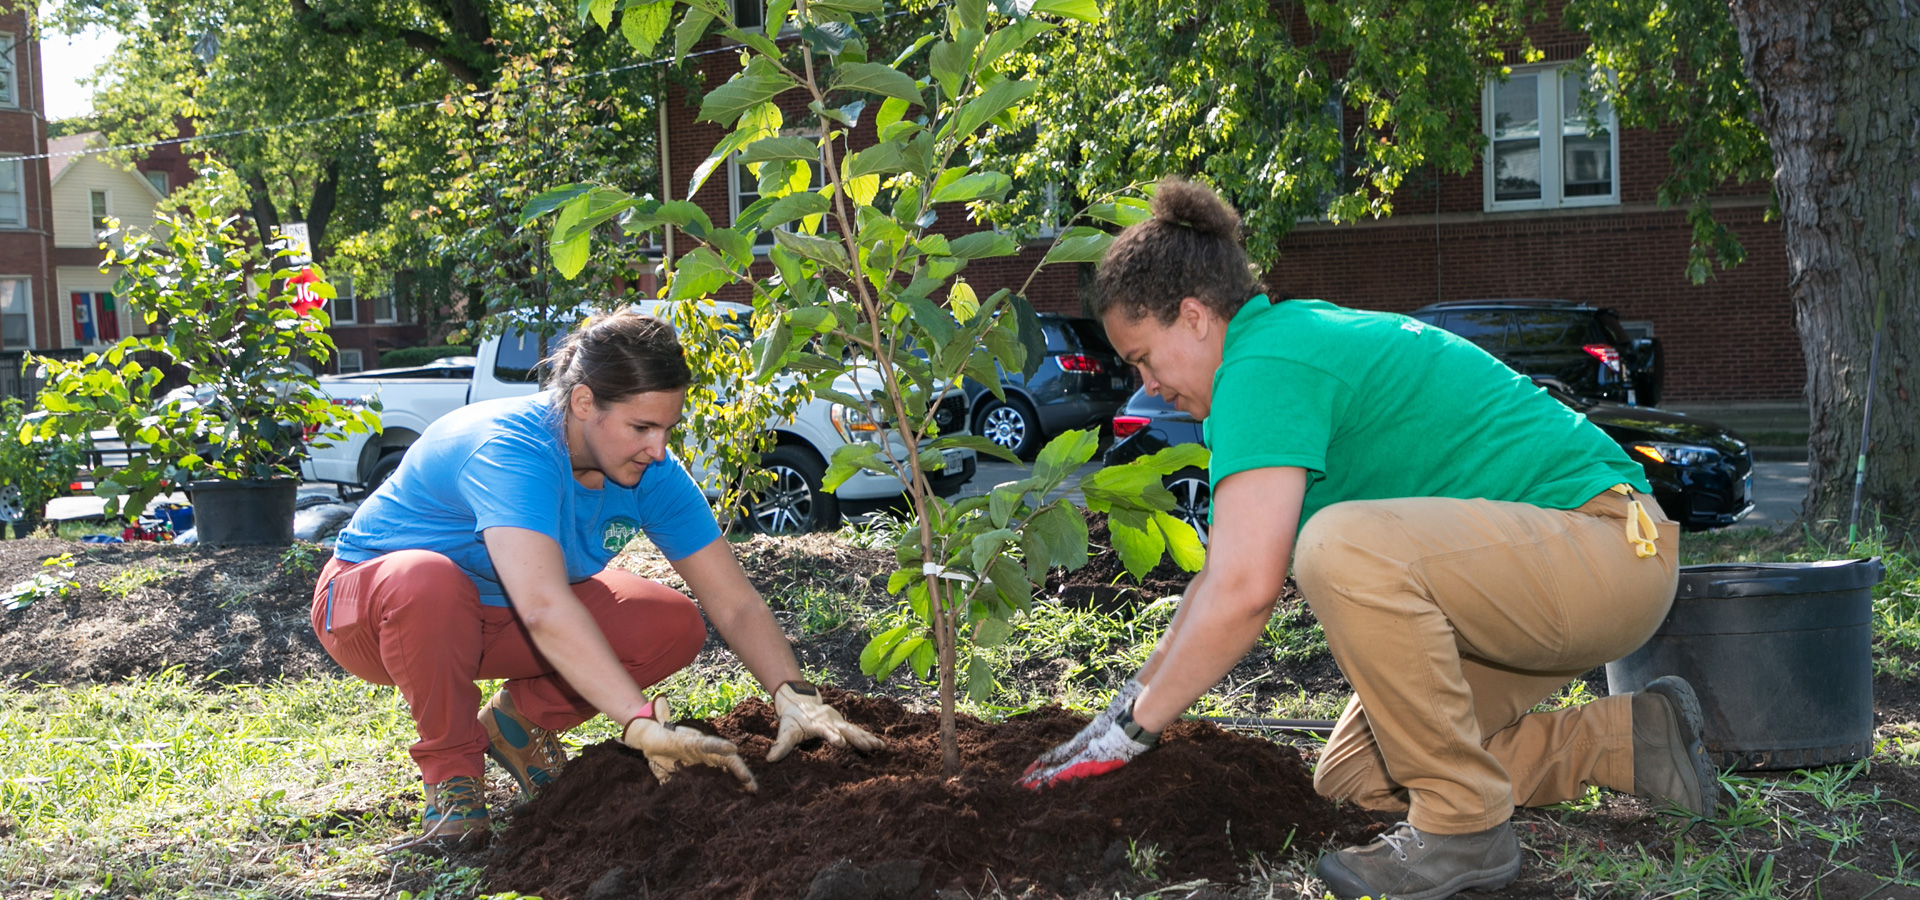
x=833, y=824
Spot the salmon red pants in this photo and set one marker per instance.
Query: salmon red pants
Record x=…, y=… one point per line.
x=413, y=619
x=1453, y=619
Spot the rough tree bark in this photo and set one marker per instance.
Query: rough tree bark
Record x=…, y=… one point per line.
x=1839, y=89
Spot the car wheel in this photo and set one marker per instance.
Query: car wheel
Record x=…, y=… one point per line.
x=12, y=507
x=1012, y=425
x=1192, y=499
x=794, y=504
x=384, y=469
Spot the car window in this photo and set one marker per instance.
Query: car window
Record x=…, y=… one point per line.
x=1092, y=336
x=1547, y=330
x=1485, y=327
x=518, y=361
x=1056, y=337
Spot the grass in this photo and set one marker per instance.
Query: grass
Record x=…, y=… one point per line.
x=168, y=787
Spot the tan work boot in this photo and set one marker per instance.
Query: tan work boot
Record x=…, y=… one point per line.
x=531, y=754
x=1670, y=764
x=455, y=818
x=1408, y=864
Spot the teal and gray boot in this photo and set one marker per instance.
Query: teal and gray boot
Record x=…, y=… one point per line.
x=531, y=754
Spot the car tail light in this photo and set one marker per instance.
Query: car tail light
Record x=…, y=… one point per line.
x=77, y=486
x=1125, y=426
x=1605, y=353
x=1080, y=362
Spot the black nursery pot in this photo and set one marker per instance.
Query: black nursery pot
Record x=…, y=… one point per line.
x=1780, y=654
x=248, y=512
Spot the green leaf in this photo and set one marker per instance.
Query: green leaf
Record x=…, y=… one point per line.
x=548, y=201
x=1173, y=459
x=1183, y=543
x=949, y=63
x=741, y=93
x=818, y=249
x=848, y=6
x=879, y=159
x=794, y=206
x=876, y=78
x=849, y=459
x=1011, y=581
x=1030, y=334
x=827, y=41
x=880, y=647
x=973, y=13
x=602, y=12
x=978, y=444
x=1137, y=539
x=1012, y=38
x=1068, y=450
x=1001, y=504
x=772, y=148
x=991, y=632
x=923, y=659
x=686, y=216
x=979, y=679
x=1064, y=530
x=692, y=28
x=1003, y=342
x=980, y=185
x=938, y=325
x=901, y=578
x=644, y=25
x=1080, y=248
x=992, y=102
x=1083, y=10
x=984, y=244
x=986, y=545
x=773, y=350
x=1124, y=212
x=899, y=655
x=570, y=255
x=698, y=273
x=892, y=110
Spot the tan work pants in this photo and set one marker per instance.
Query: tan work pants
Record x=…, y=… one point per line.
x=1453, y=619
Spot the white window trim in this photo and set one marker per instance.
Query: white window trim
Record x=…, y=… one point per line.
x=28, y=280
x=12, y=159
x=106, y=210
x=359, y=361
x=165, y=184
x=393, y=310
x=11, y=77
x=343, y=309
x=1552, y=185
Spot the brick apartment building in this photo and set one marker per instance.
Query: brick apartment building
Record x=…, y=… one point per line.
x=1572, y=216
x=27, y=311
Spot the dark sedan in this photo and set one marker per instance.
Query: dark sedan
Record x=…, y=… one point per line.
x=1701, y=473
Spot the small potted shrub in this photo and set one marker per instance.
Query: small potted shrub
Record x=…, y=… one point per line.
x=239, y=329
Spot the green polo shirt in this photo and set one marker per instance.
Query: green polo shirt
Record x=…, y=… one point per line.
x=1377, y=406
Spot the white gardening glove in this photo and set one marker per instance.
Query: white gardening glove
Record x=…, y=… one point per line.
x=1096, y=750
x=1121, y=700
x=803, y=716
x=669, y=748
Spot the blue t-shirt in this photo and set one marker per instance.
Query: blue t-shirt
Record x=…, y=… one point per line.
x=504, y=463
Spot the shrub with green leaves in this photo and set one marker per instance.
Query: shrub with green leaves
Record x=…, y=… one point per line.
x=861, y=285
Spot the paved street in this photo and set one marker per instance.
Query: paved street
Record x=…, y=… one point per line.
x=1778, y=487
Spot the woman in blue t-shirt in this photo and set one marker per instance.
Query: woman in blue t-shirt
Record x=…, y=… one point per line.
x=485, y=556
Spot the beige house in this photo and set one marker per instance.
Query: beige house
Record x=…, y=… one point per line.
x=87, y=191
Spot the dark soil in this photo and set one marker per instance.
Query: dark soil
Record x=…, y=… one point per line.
x=832, y=823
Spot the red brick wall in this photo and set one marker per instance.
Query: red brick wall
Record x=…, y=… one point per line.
x=26, y=250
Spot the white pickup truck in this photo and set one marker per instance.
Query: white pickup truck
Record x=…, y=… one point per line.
x=412, y=398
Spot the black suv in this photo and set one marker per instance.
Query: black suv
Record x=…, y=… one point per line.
x=1080, y=382
x=1583, y=347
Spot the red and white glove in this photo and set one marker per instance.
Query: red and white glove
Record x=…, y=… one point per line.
x=1101, y=747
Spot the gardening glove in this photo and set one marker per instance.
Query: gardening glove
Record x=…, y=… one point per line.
x=1101, y=749
x=1122, y=701
x=668, y=748
x=803, y=715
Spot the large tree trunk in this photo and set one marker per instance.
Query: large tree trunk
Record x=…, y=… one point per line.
x=1839, y=89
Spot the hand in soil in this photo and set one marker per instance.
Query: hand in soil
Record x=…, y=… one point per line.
x=1102, y=750
x=803, y=716
x=1122, y=700
x=667, y=749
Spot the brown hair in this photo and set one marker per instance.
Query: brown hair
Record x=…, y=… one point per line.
x=616, y=356
x=1190, y=248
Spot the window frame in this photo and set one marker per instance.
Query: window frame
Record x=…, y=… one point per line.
x=160, y=180
x=1550, y=108
x=359, y=361
x=26, y=299
x=392, y=311
x=9, y=70
x=97, y=216
x=343, y=299
x=20, y=187
x=737, y=175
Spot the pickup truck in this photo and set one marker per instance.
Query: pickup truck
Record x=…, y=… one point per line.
x=508, y=366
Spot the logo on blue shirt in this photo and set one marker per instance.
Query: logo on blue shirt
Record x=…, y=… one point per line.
x=616, y=532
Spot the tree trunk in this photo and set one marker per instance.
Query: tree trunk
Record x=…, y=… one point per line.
x=266, y=219
x=320, y=211
x=1839, y=94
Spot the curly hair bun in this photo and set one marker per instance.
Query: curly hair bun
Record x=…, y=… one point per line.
x=1178, y=201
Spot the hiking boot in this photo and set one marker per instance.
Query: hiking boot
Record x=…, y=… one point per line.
x=531, y=754
x=1670, y=764
x=1408, y=864
x=455, y=818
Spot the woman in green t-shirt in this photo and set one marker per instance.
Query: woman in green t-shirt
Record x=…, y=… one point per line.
x=1469, y=544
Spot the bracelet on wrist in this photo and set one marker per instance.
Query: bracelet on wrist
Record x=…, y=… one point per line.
x=1134, y=731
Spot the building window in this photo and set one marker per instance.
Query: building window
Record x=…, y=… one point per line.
x=16, y=322
x=13, y=206
x=9, y=87
x=96, y=320
x=343, y=304
x=750, y=15
x=97, y=208
x=383, y=308
x=350, y=362
x=159, y=181
x=743, y=189
x=1541, y=152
